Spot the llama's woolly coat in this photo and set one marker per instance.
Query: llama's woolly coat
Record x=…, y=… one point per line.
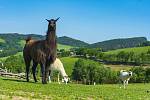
x=58, y=66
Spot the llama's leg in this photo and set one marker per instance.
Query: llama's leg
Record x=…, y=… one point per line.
x=27, y=73
x=124, y=84
x=47, y=67
x=46, y=74
x=43, y=73
x=27, y=63
x=49, y=77
x=58, y=78
x=127, y=82
x=34, y=70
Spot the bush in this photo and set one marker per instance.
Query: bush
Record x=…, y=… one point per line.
x=139, y=75
x=15, y=64
x=88, y=72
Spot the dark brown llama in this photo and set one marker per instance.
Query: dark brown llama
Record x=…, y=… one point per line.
x=41, y=52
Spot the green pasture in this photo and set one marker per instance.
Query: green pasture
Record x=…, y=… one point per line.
x=65, y=47
x=2, y=40
x=136, y=50
x=21, y=90
x=68, y=63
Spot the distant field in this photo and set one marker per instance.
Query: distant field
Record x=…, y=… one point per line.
x=22, y=43
x=137, y=50
x=60, y=46
x=12, y=89
x=119, y=67
x=66, y=47
x=2, y=40
x=68, y=63
x=4, y=58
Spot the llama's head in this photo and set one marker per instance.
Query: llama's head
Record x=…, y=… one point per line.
x=130, y=73
x=52, y=24
x=65, y=79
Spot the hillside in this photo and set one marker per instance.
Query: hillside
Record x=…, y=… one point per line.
x=72, y=42
x=119, y=43
x=12, y=43
x=15, y=37
x=136, y=50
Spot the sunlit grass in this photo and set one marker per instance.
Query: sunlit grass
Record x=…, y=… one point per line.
x=136, y=50
x=2, y=40
x=11, y=88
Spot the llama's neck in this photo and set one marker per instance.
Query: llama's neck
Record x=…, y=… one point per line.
x=62, y=72
x=51, y=37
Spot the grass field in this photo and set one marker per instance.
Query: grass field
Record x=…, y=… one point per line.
x=68, y=63
x=119, y=67
x=4, y=58
x=66, y=47
x=136, y=50
x=21, y=90
x=2, y=40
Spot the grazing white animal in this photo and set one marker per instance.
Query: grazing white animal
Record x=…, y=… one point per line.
x=58, y=66
x=125, y=77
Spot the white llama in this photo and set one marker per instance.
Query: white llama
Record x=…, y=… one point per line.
x=58, y=66
x=125, y=77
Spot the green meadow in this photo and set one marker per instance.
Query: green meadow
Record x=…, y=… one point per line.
x=21, y=90
x=136, y=50
x=2, y=40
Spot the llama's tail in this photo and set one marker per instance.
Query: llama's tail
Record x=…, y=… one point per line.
x=28, y=39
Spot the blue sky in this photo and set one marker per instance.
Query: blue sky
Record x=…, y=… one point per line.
x=87, y=20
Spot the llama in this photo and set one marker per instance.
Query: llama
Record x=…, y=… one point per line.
x=125, y=77
x=58, y=66
x=41, y=52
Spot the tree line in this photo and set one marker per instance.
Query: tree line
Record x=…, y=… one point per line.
x=121, y=57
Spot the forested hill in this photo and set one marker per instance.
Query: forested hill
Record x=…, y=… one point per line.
x=119, y=43
x=11, y=43
x=15, y=38
x=72, y=42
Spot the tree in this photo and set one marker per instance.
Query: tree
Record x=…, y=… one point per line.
x=15, y=64
x=142, y=57
x=138, y=74
x=77, y=70
x=147, y=75
x=131, y=56
x=91, y=73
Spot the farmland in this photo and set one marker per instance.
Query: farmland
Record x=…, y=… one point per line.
x=68, y=63
x=2, y=40
x=136, y=50
x=15, y=89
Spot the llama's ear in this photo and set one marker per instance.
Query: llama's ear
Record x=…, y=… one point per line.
x=57, y=19
x=48, y=20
